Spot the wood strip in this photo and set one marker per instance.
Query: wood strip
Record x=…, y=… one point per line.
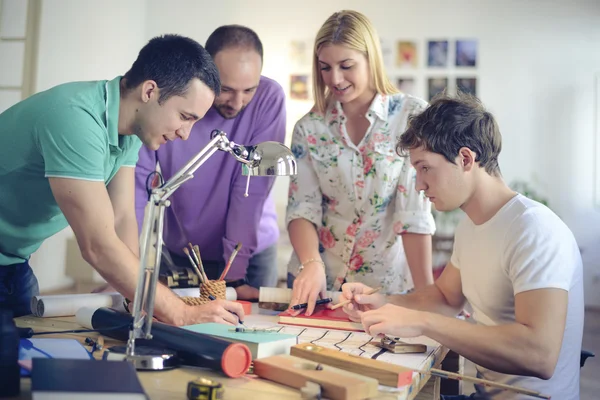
x=334, y=383
x=387, y=374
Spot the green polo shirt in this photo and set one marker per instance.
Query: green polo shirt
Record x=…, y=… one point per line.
x=69, y=131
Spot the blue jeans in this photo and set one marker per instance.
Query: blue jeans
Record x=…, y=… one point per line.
x=262, y=267
x=458, y=397
x=18, y=285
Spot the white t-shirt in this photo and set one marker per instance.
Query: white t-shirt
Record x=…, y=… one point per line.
x=525, y=246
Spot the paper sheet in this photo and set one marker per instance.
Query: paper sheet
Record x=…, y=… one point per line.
x=357, y=343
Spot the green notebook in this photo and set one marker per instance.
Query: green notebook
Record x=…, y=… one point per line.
x=261, y=344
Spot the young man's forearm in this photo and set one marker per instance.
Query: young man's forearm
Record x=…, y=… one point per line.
x=429, y=298
x=510, y=348
x=119, y=267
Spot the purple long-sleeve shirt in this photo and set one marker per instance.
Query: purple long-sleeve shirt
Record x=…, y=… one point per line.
x=211, y=210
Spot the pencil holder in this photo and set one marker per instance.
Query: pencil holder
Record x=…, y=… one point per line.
x=215, y=288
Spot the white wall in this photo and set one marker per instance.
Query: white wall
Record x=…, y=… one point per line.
x=82, y=40
x=537, y=61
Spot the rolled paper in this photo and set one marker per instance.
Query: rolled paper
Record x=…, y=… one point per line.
x=67, y=304
x=193, y=348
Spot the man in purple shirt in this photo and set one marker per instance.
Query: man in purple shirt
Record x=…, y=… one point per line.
x=211, y=210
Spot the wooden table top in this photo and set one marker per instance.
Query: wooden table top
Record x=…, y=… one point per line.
x=172, y=384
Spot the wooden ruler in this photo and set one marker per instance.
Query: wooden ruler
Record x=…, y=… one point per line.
x=387, y=374
x=390, y=374
x=299, y=373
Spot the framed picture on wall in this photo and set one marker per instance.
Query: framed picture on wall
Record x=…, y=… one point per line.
x=466, y=53
x=407, y=54
x=299, y=87
x=467, y=85
x=437, y=53
x=406, y=85
x=436, y=85
x=300, y=53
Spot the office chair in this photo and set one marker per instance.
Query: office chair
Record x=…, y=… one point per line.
x=584, y=356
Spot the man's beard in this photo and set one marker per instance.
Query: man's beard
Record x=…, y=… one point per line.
x=139, y=132
x=222, y=107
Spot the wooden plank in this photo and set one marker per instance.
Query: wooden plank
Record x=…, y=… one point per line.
x=297, y=372
x=387, y=374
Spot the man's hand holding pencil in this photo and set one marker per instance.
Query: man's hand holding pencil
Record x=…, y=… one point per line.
x=357, y=298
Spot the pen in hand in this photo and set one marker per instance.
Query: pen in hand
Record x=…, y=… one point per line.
x=343, y=303
x=318, y=302
x=211, y=297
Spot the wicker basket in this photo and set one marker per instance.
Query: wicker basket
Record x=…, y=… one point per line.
x=216, y=288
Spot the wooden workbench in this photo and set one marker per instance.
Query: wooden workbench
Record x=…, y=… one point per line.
x=166, y=385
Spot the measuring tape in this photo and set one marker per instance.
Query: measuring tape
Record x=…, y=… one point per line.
x=204, y=389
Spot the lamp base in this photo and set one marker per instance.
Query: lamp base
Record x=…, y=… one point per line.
x=146, y=358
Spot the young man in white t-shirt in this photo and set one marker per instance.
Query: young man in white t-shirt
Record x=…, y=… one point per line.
x=514, y=261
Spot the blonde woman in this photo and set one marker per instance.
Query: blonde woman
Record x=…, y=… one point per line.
x=353, y=213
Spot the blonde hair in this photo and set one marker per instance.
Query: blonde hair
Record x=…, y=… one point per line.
x=353, y=30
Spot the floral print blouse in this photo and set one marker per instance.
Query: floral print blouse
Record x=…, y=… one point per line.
x=360, y=198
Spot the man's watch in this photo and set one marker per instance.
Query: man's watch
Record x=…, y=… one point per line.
x=236, y=283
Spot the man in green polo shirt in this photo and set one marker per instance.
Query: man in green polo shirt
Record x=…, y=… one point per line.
x=68, y=156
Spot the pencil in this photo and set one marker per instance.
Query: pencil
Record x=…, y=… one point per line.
x=451, y=375
x=230, y=261
x=318, y=302
x=343, y=303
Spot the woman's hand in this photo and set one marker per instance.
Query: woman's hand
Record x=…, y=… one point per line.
x=308, y=285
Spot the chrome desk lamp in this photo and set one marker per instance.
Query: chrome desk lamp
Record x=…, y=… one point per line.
x=264, y=159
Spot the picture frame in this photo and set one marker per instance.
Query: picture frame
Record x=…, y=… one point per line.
x=437, y=53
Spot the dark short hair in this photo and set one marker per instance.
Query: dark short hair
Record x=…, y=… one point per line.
x=450, y=123
x=228, y=36
x=172, y=61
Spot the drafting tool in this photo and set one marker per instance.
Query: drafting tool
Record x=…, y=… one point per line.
x=333, y=383
x=451, y=375
x=343, y=303
x=387, y=374
x=204, y=389
x=242, y=329
x=395, y=345
x=318, y=302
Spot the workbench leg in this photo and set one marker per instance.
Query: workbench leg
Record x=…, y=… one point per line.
x=453, y=363
x=431, y=390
